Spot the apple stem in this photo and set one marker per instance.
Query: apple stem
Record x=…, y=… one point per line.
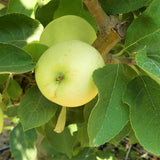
x=61, y=121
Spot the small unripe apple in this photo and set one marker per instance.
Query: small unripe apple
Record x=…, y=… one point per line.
x=1, y=120
x=69, y=27
x=64, y=73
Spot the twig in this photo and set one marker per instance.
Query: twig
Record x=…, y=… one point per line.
x=129, y=149
x=110, y=29
x=102, y=20
x=114, y=59
x=155, y=157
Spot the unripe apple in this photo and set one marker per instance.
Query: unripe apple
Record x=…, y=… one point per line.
x=68, y=27
x=64, y=73
x=1, y=120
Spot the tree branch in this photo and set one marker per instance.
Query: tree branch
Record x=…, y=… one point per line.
x=110, y=29
x=102, y=20
x=124, y=60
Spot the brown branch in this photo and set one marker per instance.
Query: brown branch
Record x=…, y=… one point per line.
x=105, y=43
x=110, y=29
x=114, y=59
x=102, y=20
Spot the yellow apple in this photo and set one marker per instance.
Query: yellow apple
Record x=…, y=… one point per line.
x=1, y=120
x=68, y=27
x=64, y=73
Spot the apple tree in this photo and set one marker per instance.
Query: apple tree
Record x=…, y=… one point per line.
x=78, y=74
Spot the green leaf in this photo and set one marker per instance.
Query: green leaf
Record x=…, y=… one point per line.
x=3, y=78
x=75, y=8
x=88, y=17
x=105, y=155
x=3, y=10
x=48, y=147
x=83, y=136
x=149, y=63
x=45, y=13
x=86, y=154
x=65, y=9
x=88, y=108
x=19, y=29
x=142, y=96
x=2, y=6
x=132, y=136
x=122, y=6
x=22, y=6
x=14, y=90
x=60, y=157
x=12, y=111
x=122, y=134
x=22, y=143
x=110, y=114
x=35, y=110
x=35, y=50
x=61, y=142
x=145, y=30
x=14, y=59
x=74, y=115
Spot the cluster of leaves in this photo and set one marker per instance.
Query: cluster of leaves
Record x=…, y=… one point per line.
x=128, y=100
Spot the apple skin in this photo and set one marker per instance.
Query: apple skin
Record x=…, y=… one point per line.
x=1, y=120
x=69, y=27
x=64, y=73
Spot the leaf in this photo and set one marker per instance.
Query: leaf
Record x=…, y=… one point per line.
x=48, y=147
x=3, y=10
x=105, y=155
x=142, y=96
x=19, y=29
x=86, y=154
x=145, y=30
x=12, y=111
x=132, y=137
x=75, y=8
x=83, y=136
x=60, y=157
x=110, y=114
x=65, y=9
x=14, y=59
x=88, y=108
x=14, y=90
x=123, y=6
x=35, y=110
x=61, y=142
x=35, y=50
x=2, y=6
x=22, y=143
x=3, y=78
x=122, y=134
x=45, y=13
x=150, y=64
x=22, y=6
x=74, y=115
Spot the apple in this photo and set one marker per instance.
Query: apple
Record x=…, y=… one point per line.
x=1, y=120
x=69, y=27
x=64, y=73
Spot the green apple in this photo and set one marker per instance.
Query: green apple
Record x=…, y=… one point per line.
x=1, y=120
x=68, y=27
x=64, y=73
